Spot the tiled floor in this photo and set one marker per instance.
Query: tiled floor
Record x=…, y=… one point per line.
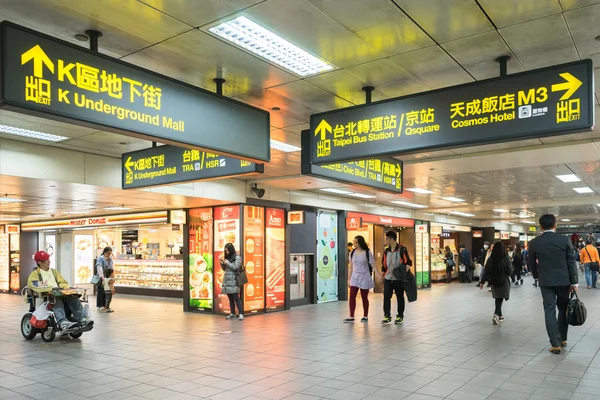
x=448, y=348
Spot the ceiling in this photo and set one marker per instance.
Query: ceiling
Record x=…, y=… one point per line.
x=400, y=47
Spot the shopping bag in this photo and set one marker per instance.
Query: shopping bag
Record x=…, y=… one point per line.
x=42, y=313
x=462, y=268
x=241, y=277
x=576, y=311
x=87, y=311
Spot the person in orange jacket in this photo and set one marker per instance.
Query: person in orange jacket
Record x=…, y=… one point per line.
x=589, y=255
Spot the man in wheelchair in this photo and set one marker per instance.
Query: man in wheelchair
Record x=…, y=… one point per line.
x=44, y=276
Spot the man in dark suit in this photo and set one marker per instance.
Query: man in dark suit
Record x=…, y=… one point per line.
x=552, y=261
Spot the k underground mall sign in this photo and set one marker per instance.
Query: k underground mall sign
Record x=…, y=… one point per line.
x=48, y=77
x=164, y=165
x=544, y=102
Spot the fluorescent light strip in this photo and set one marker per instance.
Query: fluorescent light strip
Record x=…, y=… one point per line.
x=500, y=210
x=11, y=200
x=286, y=148
x=10, y=219
x=362, y=196
x=117, y=208
x=528, y=222
x=565, y=220
x=569, y=178
x=584, y=189
x=462, y=214
x=419, y=190
x=453, y=199
x=11, y=130
x=266, y=44
x=407, y=204
x=336, y=191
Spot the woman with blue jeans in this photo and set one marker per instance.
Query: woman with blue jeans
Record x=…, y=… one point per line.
x=588, y=255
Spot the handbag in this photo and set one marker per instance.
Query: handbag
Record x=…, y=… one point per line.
x=451, y=263
x=95, y=280
x=576, y=311
x=462, y=268
x=410, y=287
x=241, y=278
x=594, y=265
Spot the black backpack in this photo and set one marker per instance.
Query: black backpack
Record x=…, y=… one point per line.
x=368, y=260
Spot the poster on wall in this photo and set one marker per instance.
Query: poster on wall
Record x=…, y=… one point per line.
x=254, y=260
x=15, y=262
x=327, y=262
x=275, y=246
x=4, y=261
x=49, y=247
x=422, y=259
x=84, y=259
x=201, y=259
x=227, y=230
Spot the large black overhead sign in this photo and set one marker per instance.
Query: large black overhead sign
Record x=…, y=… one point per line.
x=383, y=173
x=544, y=102
x=44, y=76
x=164, y=165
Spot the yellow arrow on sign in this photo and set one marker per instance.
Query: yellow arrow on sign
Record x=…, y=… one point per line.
x=40, y=58
x=129, y=164
x=398, y=171
x=571, y=85
x=323, y=128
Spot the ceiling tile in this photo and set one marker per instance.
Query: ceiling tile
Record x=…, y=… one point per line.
x=344, y=85
x=190, y=13
x=583, y=24
x=511, y=12
x=574, y=4
x=541, y=43
x=478, y=53
x=382, y=72
x=312, y=30
x=32, y=123
x=378, y=22
x=311, y=96
x=433, y=67
x=447, y=20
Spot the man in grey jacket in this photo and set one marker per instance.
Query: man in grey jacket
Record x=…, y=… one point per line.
x=552, y=261
x=395, y=257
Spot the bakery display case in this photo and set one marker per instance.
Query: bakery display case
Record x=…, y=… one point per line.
x=149, y=274
x=438, y=268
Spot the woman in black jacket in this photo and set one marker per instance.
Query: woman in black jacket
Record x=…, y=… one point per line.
x=497, y=271
x=517, y=265
x=450, y=263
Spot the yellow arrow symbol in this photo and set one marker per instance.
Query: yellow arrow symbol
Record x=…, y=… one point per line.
x=129, y=164
x=39, y=60
x=398, y=170
x=323, y=128
x=571, y=85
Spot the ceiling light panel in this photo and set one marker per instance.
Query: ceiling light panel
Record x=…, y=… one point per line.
x=407, y=204
x=453, y=199
x=362, y=196
x=260, y=41
x=286, y=148
x=11, y=130
x=568, y=178
x=582, y=190
x=419, y=190
x=336, y=191
x=500, y=210
x=11, y=200
x=462, y=214
x=117, y=208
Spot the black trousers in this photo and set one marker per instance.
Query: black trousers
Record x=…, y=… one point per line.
x=498, y=311
x=556, y=297
x=100, y=296
x=389, y=287
x=234, y=300
x=516, y=274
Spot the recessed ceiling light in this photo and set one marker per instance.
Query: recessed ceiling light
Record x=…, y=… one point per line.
x=117, y=208
x=568, y=178
x=78, y=212
x=336, y=191
x=11, y=130
x=81, y=37
x=11, y=200
x=266, y=44
x=462, y=214
x=565, y=220
x=10, y=219
x=583, y=189
x=528, y=222
x=453, y=199
x=500, y=210
x=362, y=196
x=419, y=190
x=407, y=204
x=286, y=148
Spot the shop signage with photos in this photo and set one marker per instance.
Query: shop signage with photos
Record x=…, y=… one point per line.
x=13, y=229
x=295, y=217
x=177, y=217
x=275, y=265
x=4, y=262
x=84, y=259
x=164, y=165
x=327, y=261
x=382, y=220
x=504, y=235
x=52, y=78
x=353, y=223
x=142, y=218
x=436, y=230
x=477, y=234
x=514, y=234
x=422, y=273
x=539, y=103
x=254, y=260
x=227, y=230
x=201, y=260
x=496, y=235
x=383, y=173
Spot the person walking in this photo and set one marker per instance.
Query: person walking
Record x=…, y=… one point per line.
x=517, y=265
x=497, y=272
x=450, y=264
x=484, y=254
x=589, y=255
x=103, y=263
x=552, y=261
x=231, y=263
x=109, y=288
x=396, y=263
x=361, y=278
x=466, y=263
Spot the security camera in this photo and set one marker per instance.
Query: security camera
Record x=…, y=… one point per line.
x=259, y=192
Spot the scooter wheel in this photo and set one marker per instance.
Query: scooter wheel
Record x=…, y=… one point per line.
x=48, y=335
x=76, y=335
x=27, y=330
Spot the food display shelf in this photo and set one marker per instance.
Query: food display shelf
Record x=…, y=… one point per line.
x=149, y=274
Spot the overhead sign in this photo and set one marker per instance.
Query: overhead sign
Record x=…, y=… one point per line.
x=177, y=217
x=382, y=220
x=51, y=78
x=353, y=223
x=14, y=229
x=164, y=165
x=533, y=229
x=295, y=217
x=383, y=173
x=539, y=103
x=420, y=228
x=144, y=218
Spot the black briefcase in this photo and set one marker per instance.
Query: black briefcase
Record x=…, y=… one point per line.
x=576, y=311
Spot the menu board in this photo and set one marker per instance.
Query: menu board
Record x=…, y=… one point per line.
x=84, y=259
x=327, y=262
x=15, y=262
x=254, y=260
x=275, y=250
x=422, y=259
x=227, y=230
x=201, y=259
x=4, y=261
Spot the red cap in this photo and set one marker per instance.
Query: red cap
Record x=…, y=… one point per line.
x=41, y=256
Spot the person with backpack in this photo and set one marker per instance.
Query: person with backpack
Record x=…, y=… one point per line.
x=361, y=277
x=517, y=262
x=590, y=261
x=467, y=262
x=497, y=271
x=396, y=264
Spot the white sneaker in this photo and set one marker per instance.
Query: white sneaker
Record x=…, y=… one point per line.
x=496, y=319
x=230, y=316
x=241, y=318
